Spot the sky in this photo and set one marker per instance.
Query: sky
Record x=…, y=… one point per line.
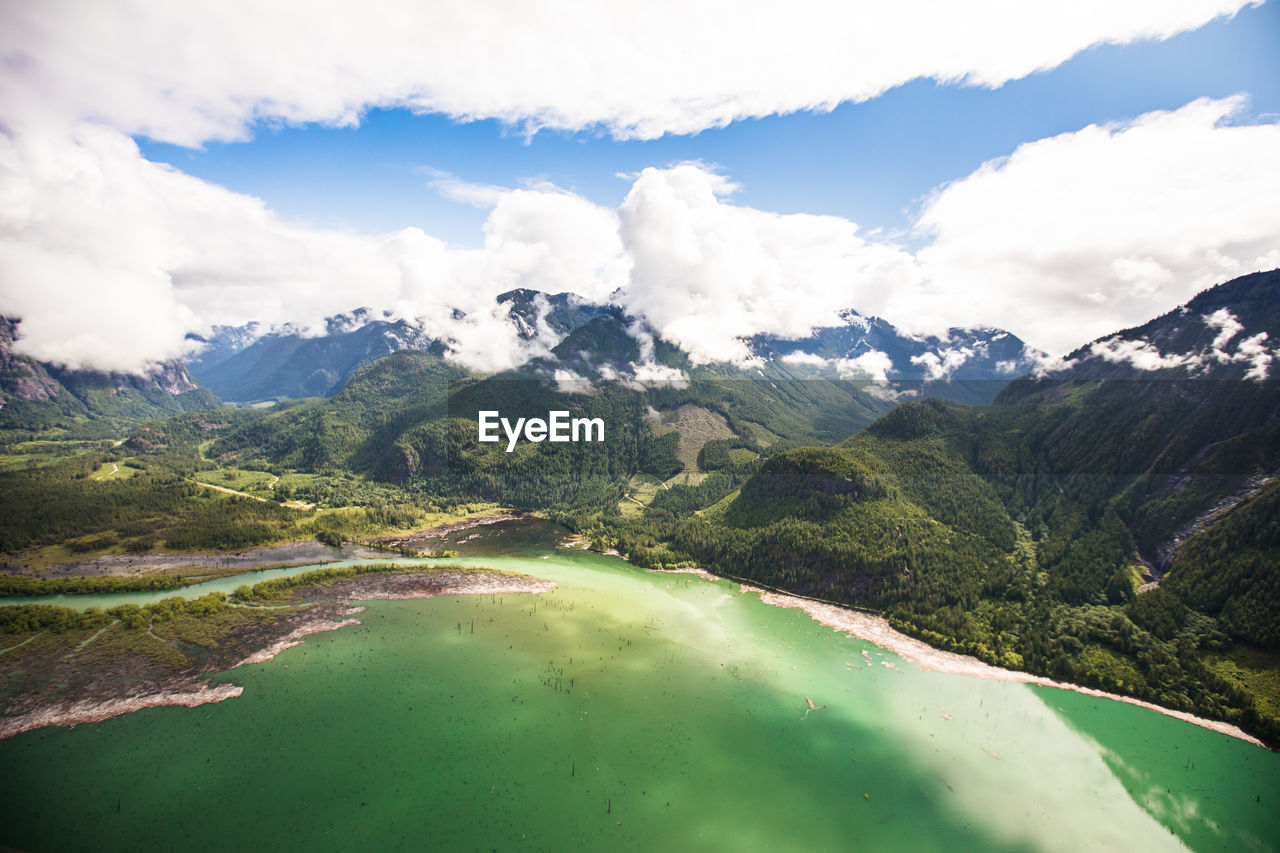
x=1058, y=170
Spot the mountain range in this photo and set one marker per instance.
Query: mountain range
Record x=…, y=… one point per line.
x=239, y=364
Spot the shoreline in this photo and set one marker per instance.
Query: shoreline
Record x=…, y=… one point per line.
x=302, y=552
x=72, y=714
x=299, y=552
x=406, y=587
x=441, y=530
x=700, y=573
x=191, y=689
x=876, y=630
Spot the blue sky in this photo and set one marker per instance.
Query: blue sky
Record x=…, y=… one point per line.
x=718, y=169
x=871, y=162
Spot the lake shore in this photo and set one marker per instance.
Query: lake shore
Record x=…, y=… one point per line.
x=187, y=694
x=876, y=629
x=300, y=552
x=401, y=587
x=135, y=686
x=441, y=530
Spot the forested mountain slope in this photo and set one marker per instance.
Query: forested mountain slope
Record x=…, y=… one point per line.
x=36, y=397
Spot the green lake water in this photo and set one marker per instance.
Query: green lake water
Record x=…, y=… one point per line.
x=628, y=710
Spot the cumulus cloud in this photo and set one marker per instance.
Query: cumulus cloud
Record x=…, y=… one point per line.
x=1066, y=240
x=706, y=272
x=1072, y=237
x=890, y=393
x=644, y=375
x=568, y=382
x=636, y=70
x=1251, y=350
x=111, y=260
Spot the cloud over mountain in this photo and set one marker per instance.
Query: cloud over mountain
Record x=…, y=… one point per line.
x=1074, y=236
x=112, y=260
x=706, y=272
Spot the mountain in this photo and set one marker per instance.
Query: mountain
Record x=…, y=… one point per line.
x=248, y=364
x=287, y=364
x=38, y=396
x=1109, y=520
x=533, y=311
x=871, y=347
x=1228, y=332
x=411, y=418
x=222, y=344
x=1143, y=458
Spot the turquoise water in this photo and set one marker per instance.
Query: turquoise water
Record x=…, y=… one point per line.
x=628, y=710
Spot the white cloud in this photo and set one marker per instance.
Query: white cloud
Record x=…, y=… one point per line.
x=805, y=358
x=944, y=362
x=889, y=393
x=706, y=272
x=110, y=260
x=1251, y=350
x=1141, y=354
x=650, y=372
x=870, y=365
x=644, y=375
x=455, y=189
x=188, y=73
x=1144, y=355
x=1228, y=327
x=568, y=382
x=1075, y=236
x=552, y=240
x=1254, y=351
